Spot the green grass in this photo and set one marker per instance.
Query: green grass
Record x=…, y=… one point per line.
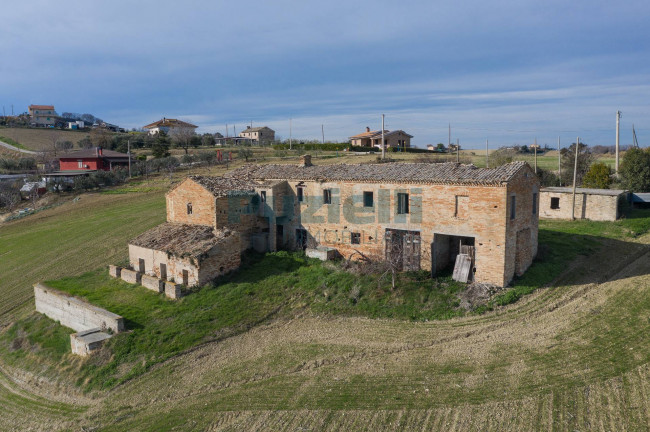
x=265, y=285
x=561, y=242
x=68, y=240
x=12, y=142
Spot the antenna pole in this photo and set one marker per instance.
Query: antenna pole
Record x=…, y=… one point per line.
x=290, y=135
x=575, y=175
x=383, y=143
x=128, y=146
x=618, y=136
x=559, y=161
x=487, y=155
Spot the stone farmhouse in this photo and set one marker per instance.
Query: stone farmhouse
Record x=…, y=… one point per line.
x=396, y=138
x=259, y=135
x=421, y=215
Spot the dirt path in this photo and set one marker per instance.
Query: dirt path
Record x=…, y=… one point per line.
x=10, y=147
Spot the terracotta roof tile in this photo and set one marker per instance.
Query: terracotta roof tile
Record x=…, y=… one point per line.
x=182, y=239
x=431, y=173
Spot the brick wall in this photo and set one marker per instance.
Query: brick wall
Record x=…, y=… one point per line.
x=433, y=209
x=202, y=201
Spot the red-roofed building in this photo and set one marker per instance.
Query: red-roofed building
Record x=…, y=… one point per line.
x=167, y=125
x=397, y=138
x=96, y=159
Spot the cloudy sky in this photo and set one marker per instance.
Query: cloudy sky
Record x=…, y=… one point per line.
x=507, y=71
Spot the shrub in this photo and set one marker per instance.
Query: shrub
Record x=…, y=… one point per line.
x=598, y=176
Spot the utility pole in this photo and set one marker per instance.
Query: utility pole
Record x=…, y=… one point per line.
x=226, y=130
x=383, y=145
x=290, y=134
x=487, y=155
x=559, y=161
x=457, y=150
x=322, y=131
x=618, y=136
x=575, y=175
x=128, y=146
x=449, y=137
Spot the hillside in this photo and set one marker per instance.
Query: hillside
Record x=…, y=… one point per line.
x=41, y=139
x=570, y=357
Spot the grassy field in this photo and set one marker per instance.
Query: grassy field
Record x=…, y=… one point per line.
x=39, y=139
x=570, y=357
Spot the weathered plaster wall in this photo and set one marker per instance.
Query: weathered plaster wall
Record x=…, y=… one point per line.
x=588, y=206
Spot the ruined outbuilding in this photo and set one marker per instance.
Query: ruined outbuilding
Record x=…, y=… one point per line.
x=422, y=216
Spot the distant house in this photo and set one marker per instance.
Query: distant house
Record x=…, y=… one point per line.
x=42, y=115
x=167, y=125
x=397, y=138
x=258, y=135
x=95, y=159
x=76, y=124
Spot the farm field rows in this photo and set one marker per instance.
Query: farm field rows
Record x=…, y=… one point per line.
x=570, y=357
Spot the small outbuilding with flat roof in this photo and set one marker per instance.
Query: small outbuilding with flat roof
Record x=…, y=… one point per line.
x=592, y=204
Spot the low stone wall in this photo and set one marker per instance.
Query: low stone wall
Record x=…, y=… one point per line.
x=114, y=271
x=73, y=312
x=131, y=276
x=173, y=290
x=85, y=342
x=152, y=283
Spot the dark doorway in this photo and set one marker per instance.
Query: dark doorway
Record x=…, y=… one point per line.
x=163, y=271
x=301, y=239
x=445, y=248
x=403, y=249
x=141, y=265
x=279, y=236
x=186, y=277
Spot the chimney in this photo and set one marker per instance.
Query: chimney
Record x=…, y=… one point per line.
x=98, y=151
x=367, y=129
x=305, y=160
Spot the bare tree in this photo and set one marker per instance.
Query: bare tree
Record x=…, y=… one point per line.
x=9, y=196
x=182, y=137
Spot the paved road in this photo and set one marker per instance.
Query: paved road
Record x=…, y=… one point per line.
x=10, y=147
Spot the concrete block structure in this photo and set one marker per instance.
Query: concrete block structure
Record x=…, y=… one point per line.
x=114, y=271
x=131, y=276
x=94, y=325
x=85, y=342
x=592, y=204
x=152, y=283
x=173, y=290
x=322, y=253
x=73, y=312
x=421, y=215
